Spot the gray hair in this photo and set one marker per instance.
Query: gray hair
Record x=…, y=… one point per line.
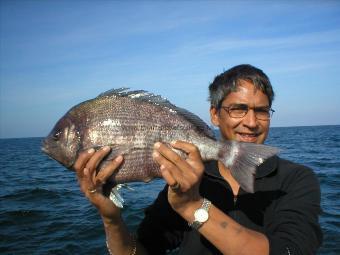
x=228, y=81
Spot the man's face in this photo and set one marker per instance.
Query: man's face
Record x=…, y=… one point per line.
x=248, y=128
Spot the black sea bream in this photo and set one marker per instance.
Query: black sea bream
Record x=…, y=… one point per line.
x=131, y=122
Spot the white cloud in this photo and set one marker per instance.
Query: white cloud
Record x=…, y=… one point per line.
x=274, y=42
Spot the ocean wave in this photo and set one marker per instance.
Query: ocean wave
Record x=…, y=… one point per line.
x=44, y=212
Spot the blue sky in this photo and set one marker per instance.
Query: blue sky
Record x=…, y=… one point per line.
x=55, y=54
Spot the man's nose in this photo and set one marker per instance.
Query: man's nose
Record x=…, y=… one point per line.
x=250, y=119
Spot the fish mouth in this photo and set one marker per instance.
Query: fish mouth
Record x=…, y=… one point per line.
x=44, y=147
x=50, y=150
x=45, y=150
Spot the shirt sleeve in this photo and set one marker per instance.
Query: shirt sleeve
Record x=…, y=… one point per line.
x=295, y=229
x=162, y=228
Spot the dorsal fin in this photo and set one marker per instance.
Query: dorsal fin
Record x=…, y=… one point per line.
x=145, y=96
x=197, y=121
x=113, y=92
x=140, y=95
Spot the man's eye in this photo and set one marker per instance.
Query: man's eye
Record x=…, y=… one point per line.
x=239, y=109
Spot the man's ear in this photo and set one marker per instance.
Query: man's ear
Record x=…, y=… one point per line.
x=214, y=116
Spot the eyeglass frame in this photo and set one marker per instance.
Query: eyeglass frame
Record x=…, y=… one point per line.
x=227, y=109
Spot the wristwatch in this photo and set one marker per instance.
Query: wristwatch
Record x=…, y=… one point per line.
x=201, y=214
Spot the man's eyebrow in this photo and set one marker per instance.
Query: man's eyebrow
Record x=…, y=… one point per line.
x=263, y=107
x=241, y=105
x=245, y=105
x=238, y=105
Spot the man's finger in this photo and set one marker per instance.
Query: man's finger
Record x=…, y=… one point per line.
x=108, y=170
x=165, y=158
x=165, y=166
x=173, y=173
x=188, y=148
x=82, y=160
x=182, y=166
x=97, y=158
x=167, y=176
x=86, y=183
x=169, y=154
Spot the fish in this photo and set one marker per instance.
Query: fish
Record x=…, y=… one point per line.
x=131, y=122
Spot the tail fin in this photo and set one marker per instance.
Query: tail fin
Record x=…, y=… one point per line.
x=243, y=158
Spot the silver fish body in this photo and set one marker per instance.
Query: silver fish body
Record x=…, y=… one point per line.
x=131, y=122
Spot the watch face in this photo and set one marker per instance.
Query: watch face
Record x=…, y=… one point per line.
x=201, y=215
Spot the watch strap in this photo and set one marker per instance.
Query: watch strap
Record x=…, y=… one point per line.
x=205, y=206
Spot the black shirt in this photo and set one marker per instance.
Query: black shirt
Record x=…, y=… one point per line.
x=285, y=207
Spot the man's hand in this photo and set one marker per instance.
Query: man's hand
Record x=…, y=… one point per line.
x=91, y=181
x=183, y=175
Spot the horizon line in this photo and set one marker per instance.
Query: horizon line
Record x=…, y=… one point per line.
x=299, y=126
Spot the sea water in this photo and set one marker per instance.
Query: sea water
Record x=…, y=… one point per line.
x=42, y=210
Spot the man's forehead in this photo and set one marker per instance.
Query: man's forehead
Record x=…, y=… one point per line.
x=247, y=93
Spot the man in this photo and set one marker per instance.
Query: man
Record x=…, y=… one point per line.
x=202, y=209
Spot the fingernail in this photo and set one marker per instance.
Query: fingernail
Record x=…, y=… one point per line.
x=162, y=167
x=157, y=145
x=90, y=151
x=106, y=148
x=173, y=143
x=155, y=154
x=86, y=171
x=119, y=159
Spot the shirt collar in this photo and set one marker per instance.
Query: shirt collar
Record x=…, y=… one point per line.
x=268, y=167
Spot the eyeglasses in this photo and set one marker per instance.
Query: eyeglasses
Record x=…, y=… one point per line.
x=241, y=110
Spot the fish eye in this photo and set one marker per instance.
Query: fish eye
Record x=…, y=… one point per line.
x=56, y=136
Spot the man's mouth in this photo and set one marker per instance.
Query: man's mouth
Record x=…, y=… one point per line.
x=248, y=137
